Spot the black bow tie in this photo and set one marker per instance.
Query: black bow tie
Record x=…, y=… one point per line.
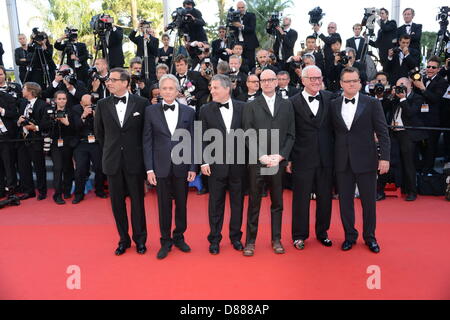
x=311, y=99
x=118, y=99
x=167, y=107
x=225, y=105
x=350, y=100
x=407, y=25
x=283, y=90
x=358, y=38
x=181, y=77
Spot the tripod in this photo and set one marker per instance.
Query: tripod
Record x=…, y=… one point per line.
x=101, y=39
x=443, y=37
x=39, y=52
x=176, y=46
x=68, y=50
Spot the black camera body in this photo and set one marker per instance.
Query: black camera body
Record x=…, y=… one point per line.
x=400, y=89
x=415, y=74
x=209, y=68
x=345, y=59
x=378, y=89
x=28, y=120
x=68, y=76
x=102, y=23
x=397, y=50
x=443, y=14
x=316, y=15
x=233, y=16
x=95, y=75
x=38, y=36
x=274, y=21
x=180, y=19
x=71, y=34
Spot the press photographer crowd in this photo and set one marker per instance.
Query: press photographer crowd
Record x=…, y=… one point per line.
x=51, y=112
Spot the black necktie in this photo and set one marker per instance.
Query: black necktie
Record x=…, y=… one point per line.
x=167, y=107
x=350, y=100
x=118, y=99
x=225, y=105
x=311, y=99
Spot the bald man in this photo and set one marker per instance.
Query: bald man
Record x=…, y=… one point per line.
x=245, y=32
x=276, y=115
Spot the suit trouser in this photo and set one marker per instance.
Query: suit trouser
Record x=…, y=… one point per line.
x=9, y=170
x=63, y=171
x=304, y=182
x=430, y=150
x=119, y=184
x=367, y=185
x=275, y=183
x=84, y=154
x=168, y=189
x=249, y=55
x=407, y=152
x=217, y=194
x=27, y=154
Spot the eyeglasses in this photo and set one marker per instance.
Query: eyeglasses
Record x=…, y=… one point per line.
x=313, y=79
x=432, y=67
x=254, y=81
x=268, y=80
x=351, y=81
x=113, y=80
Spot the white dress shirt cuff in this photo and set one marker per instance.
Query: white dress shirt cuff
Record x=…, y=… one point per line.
x=150, y=171
x=55, y=84
x=74, y=90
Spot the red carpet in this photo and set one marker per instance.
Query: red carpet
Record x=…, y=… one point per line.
x=40, y=240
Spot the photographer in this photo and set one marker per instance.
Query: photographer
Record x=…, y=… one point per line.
x=1, y=54
x=165, y=54
x=356, y=42
x=145, y=38
x=65, y=80
x=161, y=69
x=402, y=59
x=386, y=37
x=412, y=29
x=238, y=78
x=253, y=89
x=207, y=69
x=262, y=63
x=311, y=48
x=219, y=45
x=245, y=32
x=345, y=59
x=98, y=76
x=138, y=84
x=406, y=112
x=432, y=88
x=76, y=53
x=329, y=40
x=237, y=50
x=41, y=68
x=58, y=124
x=21, y=55
x=198, y=51
x=284, y=90
x=155, y=96
x=87, y=150
x=192, y=22
x=285, y=39
x=379, y=88
x=31, y=149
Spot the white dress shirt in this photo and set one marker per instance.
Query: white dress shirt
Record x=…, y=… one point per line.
x=349, y=110
x=172, y=116
x=270, y=103
x=121, y=109
x=227, y=115
x=357, y=41
x=314, y=105
x=26, y=113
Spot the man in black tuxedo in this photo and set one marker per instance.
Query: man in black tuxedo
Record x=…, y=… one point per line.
x=164, y=125
x=267, y=163
x=284, y=89
x=219, y=46
x=432, y=88
x=410, y=28
x=224, y=114
x=118, y=125
x=245, y=32
x=195, y=28
x=333, y=36
x=76, y=55
x=114, y=39
x=386, y=38
x=30, y=151
x=285, y=39
x=400, y=63
x=145, y=38
x=356, y=42
x=311, y=48
x=21, y=57
x=97, y=84
x=311, y=160
x=356, y=119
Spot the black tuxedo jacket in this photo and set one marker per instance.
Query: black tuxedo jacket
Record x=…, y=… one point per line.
x=357, y=146
x=201, y=91
x=288, y=41
x=211, y=118
x=351, y=43
x=217, y=51
x=328, y=40
x=116, y=56
x=416, y=34
x=152, y=50
x=397, y=71
x=386, y=34
x=196, y=30
x=119, y=142
x=314, y=137
x=82, y=54
x=257, y=116
x=1, y=54
x=165, y=57
x=72, y=100
x=158, y=144
x=249, y=32
x=433, y=96
x=292, y=91
x=8, y=103
x=40, y=108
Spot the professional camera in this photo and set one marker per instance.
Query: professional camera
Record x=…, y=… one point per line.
x=47, y=143
x=102, y=23
x=396, y=50
x=209, y=68
x=315, y=15
x=379, y=89
x=370, y=15
x=137, y=77
x=71, y=34
x=12, y=89
x=274, y=21
x=443, y=14
x=234, y=78
x=415, y=74
x=26, y=122
x=159, y=99
x=233, y=16
x=345, y=59
x=38, y=36
x=68, y=76
x=400, y=89
x=12, y=200
x=95, y=75
x=180, y=18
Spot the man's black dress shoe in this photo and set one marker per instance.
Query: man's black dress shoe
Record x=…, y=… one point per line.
x=141, y=249
x=67, y=196
x=214, y=248
x=42, y=196
x=202, y=192
x=326, y=242
x=59, y=200
x=347, y=245
x=411, y=197
x=163, y=252
x=237, y=245
x=182, y=246
x=101, y=195
x=26, y=196
x=373, y=246
x=77, y=199
x=380, y=196
x=121, y=249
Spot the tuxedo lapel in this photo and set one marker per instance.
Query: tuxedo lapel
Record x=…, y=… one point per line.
x=277, y=105
x=163, y=120
x=112, y=109
x=218, y=115
x=130, y=109
x=359, y=109
x=303, y=108
x=339, y=112
x=261, y=101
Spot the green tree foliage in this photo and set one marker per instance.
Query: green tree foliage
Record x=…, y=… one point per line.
x=428, y=40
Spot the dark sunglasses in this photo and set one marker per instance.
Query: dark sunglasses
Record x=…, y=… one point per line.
x=432, y=67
